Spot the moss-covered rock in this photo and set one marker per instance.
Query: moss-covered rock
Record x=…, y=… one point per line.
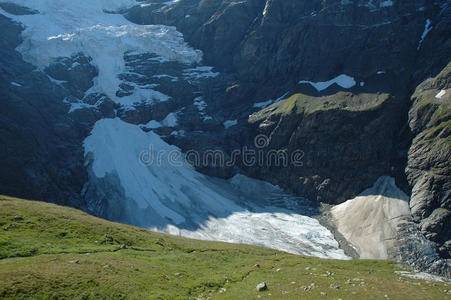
x=428, y=168
x=346, y=141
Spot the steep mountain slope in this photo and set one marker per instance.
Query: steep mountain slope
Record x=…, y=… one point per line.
x=328, y=84
x=386, y=47
x=428, y=169
x=50, y=251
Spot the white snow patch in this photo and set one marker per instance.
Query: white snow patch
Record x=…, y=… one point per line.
x=201, y=105
x=199, y=72
x=440, y=94
x=55, y=80
x=151, y=125
x=386, y=3
x=380, y=72
x=265, y=10
x=229, y=123
x=74, y=65
x=423, y=276
x=172, y=197
x=263, y=104
x=80, y=105
x=142, y=95
x=343, y=80
x=269, y=102
x=427, y=29
x=171, y=120
x=15, y=84
x=173, y=78
x=362, y=83
x=64, y=28
x=169, y=3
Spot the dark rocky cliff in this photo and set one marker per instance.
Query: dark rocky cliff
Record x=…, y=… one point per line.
x=428, y=168
x=41, y=154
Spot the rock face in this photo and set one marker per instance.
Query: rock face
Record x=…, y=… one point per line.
x=345, y=140
x=428, y=168
x=40, y=144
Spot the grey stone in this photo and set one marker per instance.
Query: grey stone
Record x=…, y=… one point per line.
x=261, y=287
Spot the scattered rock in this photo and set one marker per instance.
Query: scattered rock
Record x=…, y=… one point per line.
x=18, y=218
x=74, y=261
x=106, y=266
x=123, y=247
x=323, y=293
x=256, y=266
x=261, y=287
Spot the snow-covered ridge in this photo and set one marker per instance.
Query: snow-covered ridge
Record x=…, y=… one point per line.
x=64, y=28
x=167, y=194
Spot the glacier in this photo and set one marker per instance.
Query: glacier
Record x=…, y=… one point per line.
x=178, y=200
x=64, y=28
